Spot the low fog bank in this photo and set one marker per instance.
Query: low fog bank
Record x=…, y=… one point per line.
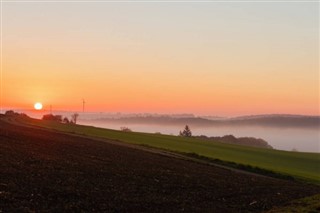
x=289, y=121
x=283, y=132
x=279, y=137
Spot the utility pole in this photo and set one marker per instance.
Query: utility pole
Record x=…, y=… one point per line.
x=83, y=103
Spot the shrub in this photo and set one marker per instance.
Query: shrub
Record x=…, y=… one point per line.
x=65, y=120
x=125, y=129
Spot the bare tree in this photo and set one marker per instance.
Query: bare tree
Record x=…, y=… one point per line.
x=74, y=118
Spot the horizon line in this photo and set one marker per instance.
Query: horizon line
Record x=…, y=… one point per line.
x=157, y=113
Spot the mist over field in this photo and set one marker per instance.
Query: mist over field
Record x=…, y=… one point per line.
x=282, y=138
x=284, y=132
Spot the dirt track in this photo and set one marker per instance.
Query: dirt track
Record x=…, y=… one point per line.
x=47, y=171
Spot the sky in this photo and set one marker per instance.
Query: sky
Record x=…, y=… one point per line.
x=207, y=58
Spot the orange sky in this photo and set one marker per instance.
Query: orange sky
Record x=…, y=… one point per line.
x=218, y=59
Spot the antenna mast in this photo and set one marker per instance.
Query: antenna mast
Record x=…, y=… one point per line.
x=83, y=103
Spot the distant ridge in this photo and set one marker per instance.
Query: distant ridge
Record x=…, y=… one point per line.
x=266, y=120
x=274, y=115
x=281, y=120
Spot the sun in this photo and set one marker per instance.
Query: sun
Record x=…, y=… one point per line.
x=38, y=106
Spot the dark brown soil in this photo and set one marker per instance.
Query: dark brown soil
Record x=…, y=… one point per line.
x=45, y=171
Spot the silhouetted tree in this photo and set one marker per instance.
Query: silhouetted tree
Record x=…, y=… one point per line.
x=74, y=118
x=11, y=113
x=186, y=132
x=51, y=117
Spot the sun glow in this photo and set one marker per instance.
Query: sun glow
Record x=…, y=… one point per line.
x=38, y=106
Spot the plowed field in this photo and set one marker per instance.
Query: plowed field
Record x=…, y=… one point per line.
x=41, y=170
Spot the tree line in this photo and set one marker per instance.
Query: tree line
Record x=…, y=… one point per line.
x=61, y=119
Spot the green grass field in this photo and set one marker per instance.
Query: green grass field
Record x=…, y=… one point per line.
x=304, y=166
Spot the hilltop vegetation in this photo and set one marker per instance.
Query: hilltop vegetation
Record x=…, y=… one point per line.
x=245, y=141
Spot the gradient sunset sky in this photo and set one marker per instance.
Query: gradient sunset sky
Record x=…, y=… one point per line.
x=217, y=58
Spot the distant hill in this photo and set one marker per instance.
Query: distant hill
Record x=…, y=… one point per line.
x=269, y=120
x=277, y=120
x=245, y=141
x=300, y=121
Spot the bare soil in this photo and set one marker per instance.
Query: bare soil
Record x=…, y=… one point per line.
x=45, y=171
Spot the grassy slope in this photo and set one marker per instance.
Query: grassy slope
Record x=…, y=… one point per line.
x=300, y=165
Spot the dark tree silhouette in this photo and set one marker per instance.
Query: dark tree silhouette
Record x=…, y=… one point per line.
x=74, y=118
x=51, y=117
x=186, y=132
x=11, y=113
